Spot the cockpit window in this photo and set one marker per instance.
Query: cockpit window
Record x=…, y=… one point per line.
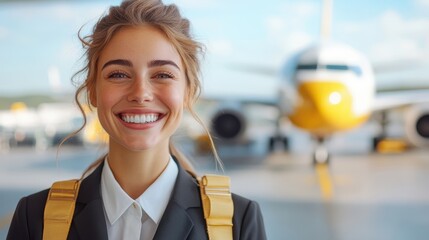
x=334, y=67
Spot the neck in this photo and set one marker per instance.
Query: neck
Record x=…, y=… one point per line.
x=135, y=171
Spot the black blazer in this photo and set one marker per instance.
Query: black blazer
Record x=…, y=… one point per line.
x=183, y=218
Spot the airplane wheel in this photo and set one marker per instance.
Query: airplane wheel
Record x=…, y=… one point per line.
x=277, y=141
x=321, y=156
x=375, y=142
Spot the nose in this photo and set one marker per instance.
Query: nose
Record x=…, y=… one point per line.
x=140, y=91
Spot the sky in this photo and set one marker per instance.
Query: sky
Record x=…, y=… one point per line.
x=40, y=50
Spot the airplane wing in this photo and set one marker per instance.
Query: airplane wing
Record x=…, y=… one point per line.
x=395, y=99
x=270, y=101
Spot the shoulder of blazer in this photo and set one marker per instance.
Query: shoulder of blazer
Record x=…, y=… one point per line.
x=240, y=202
x=248, y=222
x=28, y=216
x=36, y=204
x=27, y=221
x=241, y=205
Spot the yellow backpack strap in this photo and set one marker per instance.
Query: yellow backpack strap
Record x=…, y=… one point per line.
x=218, y=206
x=59, y=209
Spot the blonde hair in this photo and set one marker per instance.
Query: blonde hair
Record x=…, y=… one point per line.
x=166, y=18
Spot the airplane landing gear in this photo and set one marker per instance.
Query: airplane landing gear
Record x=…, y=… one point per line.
x=384, y=144
x=321, y=153
x=278, y=142
x=383, y=121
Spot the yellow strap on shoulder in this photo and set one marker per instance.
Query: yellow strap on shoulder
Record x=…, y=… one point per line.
x=59, y=209
x=218, y=206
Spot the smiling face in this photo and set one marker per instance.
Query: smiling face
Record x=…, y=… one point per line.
x=140, y=89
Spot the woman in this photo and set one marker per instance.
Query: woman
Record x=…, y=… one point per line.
x=141, y=74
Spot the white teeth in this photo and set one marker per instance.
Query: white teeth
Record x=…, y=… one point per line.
x=141, y=118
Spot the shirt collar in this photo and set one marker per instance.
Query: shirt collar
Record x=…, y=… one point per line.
x=153, y=201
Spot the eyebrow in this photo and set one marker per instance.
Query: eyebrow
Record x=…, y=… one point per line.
x=153, y=63
x=158, y=63
x=122, y=62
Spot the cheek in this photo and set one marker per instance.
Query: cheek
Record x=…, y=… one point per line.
x=107, y=94
x=177, y=99
x=106, y=98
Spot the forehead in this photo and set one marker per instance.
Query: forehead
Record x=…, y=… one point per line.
x=140, y=44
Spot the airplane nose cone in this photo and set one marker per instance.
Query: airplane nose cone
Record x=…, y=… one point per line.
x=324, y=107
x=330, y=99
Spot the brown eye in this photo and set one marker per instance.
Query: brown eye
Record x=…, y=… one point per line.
x=118, y=75
x=164, y=75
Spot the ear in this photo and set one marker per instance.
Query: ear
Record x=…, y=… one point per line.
x=93, y=99
x=92, y=96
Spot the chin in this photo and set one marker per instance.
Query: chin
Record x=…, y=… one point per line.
x=139, y=145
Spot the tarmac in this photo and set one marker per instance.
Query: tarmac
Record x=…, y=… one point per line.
x=358, y=196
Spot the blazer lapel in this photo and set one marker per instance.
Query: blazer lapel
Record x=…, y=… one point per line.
x=176, y=223
x=89, y=220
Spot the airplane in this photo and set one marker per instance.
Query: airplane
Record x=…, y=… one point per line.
x=326, y=88
x=59, y=119
x=19, y=126
x=336, y=92
x=43, y=126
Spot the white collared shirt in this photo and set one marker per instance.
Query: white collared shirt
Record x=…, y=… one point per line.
x=127, y=218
